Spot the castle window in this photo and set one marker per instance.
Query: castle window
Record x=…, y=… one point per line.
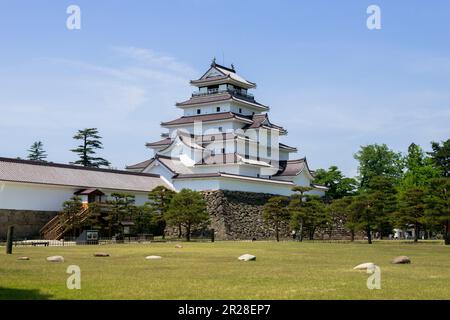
x=220, y=129
x=240, y=110
x=199, y=111
x=218, y=109
x=247, y=149
x=223, y=150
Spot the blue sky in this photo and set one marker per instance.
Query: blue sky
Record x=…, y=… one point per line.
x=331, y=82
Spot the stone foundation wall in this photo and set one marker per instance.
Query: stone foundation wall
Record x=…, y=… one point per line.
x=237, y=215
x=26, y=223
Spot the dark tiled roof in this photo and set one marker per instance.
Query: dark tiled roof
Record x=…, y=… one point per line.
x=291, y=168
x=25, y=171
x=262, y=120
x=219, y=97
x=226, y=74
x=229, y=175
x=206, y=117
x=140, y=165
x=163, y=142
x=285, y=146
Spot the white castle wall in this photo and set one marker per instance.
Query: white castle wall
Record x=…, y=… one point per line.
x=39, y=197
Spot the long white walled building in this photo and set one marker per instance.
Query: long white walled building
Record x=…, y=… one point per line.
x=32, y=193
x=41, y=186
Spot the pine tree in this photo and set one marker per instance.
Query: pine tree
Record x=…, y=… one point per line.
x=69, y=214
x=275, y=212
x=340, y=211
x=315, y=214
x=90, y=143
x=295, y=208
x=188, y=209
x=159, y=200
x=36, y=152
x=411, y=209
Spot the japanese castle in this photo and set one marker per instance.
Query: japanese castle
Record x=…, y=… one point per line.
x=225, y=141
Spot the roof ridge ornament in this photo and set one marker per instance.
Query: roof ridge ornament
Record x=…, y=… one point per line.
x=213, y=63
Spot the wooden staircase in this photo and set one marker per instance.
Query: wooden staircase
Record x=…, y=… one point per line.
x=55, y=229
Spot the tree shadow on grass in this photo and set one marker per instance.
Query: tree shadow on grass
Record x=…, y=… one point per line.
x=22, y=294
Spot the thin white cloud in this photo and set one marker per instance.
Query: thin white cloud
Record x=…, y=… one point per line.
x=151, y=58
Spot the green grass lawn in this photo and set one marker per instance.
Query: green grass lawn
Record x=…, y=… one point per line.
x=285, y=270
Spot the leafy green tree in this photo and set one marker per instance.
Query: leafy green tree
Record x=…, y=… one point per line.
x=338, y=185
x=69, y=214
x=378, y=160
x=275, y=212
x=411, y=209
x=437, y=206
x=419, y=168
x=36, y=152
x=188, y=209
x=159, y=200
x=441, y=157
x=88, y=148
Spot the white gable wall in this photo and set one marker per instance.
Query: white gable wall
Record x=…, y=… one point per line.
x=158, y=168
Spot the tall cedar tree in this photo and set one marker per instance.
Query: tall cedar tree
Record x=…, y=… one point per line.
x=36, y=152
x=159, y=200
x=188, y=209
x=275, y=212
x=441, y=157
x=90, y=144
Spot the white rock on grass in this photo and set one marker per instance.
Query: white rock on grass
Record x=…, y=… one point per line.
x=153, y=257
x=247, y=257
x=55, y=259
x=401, y=260
x=178, y=246
x=23, y=258
x=364, y=266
